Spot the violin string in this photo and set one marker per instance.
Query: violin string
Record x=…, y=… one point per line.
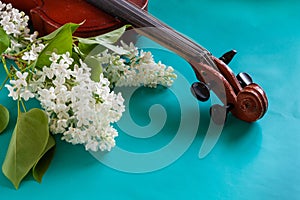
x=177, y=41
x=156, y=30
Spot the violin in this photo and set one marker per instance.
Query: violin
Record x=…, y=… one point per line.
x=243, y=98
x=239, y=95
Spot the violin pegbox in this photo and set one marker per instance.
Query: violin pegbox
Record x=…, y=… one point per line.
x=243, y=98
x=200, y=89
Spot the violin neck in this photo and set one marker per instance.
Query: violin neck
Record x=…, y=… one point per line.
x=154, y=29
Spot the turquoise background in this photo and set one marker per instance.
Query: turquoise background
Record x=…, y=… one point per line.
x=250, y=161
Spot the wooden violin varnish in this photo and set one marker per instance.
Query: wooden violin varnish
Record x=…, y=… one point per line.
x=48, y=15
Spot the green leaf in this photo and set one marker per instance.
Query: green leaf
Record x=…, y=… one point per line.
x=43, y=163
x=113, y=36
x=4, y=40
x=27, y=144
x=52, y=35
x=91, y=44
x=96, y=68
x=105, y=41
x=60, y=42
x=4, y=118
x=87, y=48
x=114, y=48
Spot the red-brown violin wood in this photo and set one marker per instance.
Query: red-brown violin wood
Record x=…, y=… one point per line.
x=48, y=15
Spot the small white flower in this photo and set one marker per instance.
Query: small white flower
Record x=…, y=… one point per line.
x=67, y=59
x=12, y=92
x=19, y=87
x=26, y=94
x=32, y=37
x=33, y=53
x=54, y=57
x=93, y=146
x=2, y=5
x=47, y=94
x=8, y=6
x=21, y=81
x=29, y=56
x=48, y=71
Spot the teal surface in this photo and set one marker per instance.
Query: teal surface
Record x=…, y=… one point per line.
x=249, y=161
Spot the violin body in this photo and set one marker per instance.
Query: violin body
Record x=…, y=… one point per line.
x=48, y=15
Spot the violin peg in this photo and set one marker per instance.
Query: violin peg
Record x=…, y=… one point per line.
x=228, y=56
x=201, y=91
x=219, y=113
x=244, y=79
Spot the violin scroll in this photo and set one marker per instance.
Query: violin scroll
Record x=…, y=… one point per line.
x=251, y=103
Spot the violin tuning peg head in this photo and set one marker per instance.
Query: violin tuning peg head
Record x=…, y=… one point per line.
x=244, y=79
x=228, y=56
x=219, y=113
x=201, y=91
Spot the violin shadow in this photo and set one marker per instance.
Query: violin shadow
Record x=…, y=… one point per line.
x=238, y=130
x=237, y=141
x=241, y=141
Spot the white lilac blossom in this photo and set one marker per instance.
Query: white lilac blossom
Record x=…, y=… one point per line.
x=18, y=88
x=79, y=108
x=15, y=24
x=77, y=100
x=135, y=69
x=33, y=53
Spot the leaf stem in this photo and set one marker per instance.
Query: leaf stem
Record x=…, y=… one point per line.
x=23, y=105
x=5, y=67
x=19, y=110
x=1, y=87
